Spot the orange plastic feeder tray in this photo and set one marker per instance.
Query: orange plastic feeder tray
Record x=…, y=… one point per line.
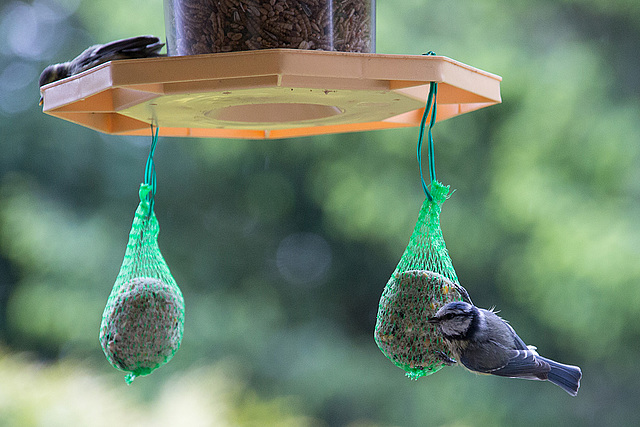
x=271, y=93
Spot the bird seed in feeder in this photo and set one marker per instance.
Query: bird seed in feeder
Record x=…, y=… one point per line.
x=204, y=26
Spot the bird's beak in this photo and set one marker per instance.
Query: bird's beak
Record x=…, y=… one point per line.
x=41, y=101
x=432, y=320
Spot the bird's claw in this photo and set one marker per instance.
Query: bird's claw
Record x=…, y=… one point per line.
x=445, y=359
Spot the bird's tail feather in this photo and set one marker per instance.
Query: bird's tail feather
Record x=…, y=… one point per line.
x=566, y=376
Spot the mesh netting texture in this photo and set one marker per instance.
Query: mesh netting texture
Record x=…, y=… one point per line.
x=423, y=281
x=143, y=321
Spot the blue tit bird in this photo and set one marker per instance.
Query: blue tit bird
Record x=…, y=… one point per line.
x=131, y=48
x=483, y=342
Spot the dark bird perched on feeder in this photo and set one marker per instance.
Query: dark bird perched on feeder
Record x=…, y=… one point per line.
x=131, y=48
x=484, y=343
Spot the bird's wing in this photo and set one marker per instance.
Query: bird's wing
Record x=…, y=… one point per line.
x=524, y=364
x=485, y=357
x=131, y=45
x=494, y=358
x=518, y=344
x=134, y=47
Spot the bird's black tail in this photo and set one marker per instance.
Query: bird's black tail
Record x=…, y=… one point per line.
x=566, y=376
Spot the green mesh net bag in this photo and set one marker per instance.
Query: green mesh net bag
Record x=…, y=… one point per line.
x=143, y=321
x=423, y=281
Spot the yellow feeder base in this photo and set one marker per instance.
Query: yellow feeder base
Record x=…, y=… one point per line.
x=271, y=93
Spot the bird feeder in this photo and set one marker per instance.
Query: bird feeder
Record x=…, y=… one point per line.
x=271, y=69
x=254, y=70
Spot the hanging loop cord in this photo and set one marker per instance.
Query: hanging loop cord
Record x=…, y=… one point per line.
x=148, y=188
x=430, y=108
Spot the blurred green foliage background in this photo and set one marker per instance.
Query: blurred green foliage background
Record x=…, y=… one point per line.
x=282, y=248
